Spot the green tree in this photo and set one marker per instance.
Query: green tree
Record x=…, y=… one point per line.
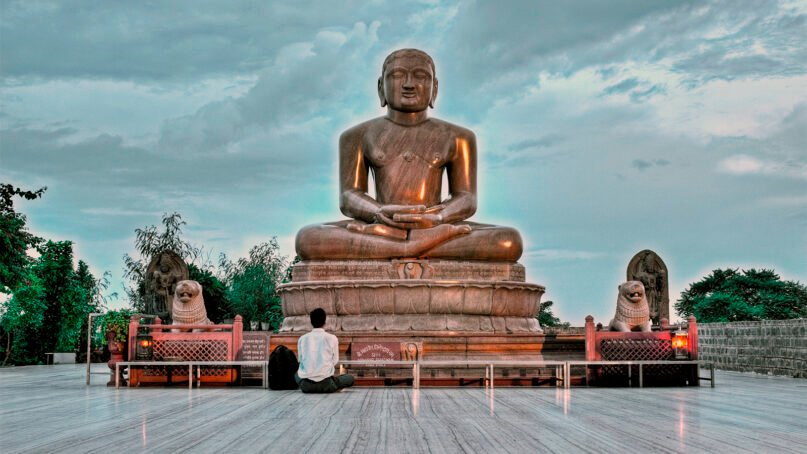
x=70, y=296
x=15, y=239
x=48, y=310
x=547, y=319
x=22, y=319
x=81, y=298
x=149, y=242
x=733, y=295
x=55, y=268
x=49, y=300
x=252, y=283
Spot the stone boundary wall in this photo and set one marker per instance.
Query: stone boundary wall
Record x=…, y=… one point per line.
x=775, y=347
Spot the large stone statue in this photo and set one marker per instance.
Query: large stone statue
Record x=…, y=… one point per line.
x=632, y=312
x=648, y=268
x=407, y=153
x=162, y=274
x=188, y=307
x=407, y=260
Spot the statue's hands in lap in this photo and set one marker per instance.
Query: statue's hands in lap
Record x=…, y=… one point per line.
x=410, y=217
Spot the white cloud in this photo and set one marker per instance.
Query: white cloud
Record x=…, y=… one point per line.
x=741, y=165
x=749, y=165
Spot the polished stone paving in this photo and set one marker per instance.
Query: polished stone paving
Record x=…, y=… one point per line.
x=49, y=409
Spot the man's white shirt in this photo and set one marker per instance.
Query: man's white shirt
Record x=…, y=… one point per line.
x=318, y=353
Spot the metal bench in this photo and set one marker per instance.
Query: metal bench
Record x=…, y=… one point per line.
x=264, y=365
x=698, y=364
x=561, y=367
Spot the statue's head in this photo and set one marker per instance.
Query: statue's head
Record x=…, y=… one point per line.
x=632, y=291
x=187, y=291
x=408, y=81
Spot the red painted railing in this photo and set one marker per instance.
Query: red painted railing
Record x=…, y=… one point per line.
x=180, y=343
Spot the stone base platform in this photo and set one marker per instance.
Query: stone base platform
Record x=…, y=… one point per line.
x=414, y=296
x=567, y=345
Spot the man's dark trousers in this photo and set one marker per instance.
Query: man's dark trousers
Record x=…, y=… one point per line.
x=328, y=385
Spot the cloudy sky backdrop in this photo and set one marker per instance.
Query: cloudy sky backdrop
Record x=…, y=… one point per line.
x=604, y=128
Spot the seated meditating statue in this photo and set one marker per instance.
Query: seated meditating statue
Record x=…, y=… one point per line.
x=407, y=260
x=407, y=153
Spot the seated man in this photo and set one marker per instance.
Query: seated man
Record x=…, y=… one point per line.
x=407, y=153
x=318, y=353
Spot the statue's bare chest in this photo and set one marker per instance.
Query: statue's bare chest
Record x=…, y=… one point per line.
x=412, y=148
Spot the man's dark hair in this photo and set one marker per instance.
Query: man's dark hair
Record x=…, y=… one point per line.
x=318, y=318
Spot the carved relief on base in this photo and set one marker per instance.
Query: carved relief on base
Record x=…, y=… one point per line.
x=339, y=270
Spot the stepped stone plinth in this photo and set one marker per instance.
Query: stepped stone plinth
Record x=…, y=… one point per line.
x=412, y=295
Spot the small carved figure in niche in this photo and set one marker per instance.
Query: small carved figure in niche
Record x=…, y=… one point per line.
x=411, y=351
x=648, y=268
x=163, y=273
x=632, y=311
x=189, y=305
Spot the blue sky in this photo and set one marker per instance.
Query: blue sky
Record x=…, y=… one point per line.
x=604, y=128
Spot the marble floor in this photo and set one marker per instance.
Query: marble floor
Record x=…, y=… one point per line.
x=49, y=409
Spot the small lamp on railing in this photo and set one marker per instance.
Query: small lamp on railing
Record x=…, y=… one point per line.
x=145, y=345
x=679, y=344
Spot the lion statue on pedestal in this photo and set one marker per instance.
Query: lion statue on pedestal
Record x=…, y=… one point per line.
x=189, y=305
x=632, y=310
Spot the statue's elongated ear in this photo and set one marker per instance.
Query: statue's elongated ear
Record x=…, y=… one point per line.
x=381, y=91
x=434, y=94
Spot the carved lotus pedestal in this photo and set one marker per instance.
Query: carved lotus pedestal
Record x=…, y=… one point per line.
x=408, y=296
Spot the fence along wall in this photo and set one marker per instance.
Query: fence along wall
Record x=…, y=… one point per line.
x=776, y=347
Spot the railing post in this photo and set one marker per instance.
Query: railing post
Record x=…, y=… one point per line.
x=134, y=324
x=238, y=336
x=692, y=337
x=590, y=347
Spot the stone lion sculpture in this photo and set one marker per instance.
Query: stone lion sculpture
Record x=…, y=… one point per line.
x=632, y=310
x=189, y=305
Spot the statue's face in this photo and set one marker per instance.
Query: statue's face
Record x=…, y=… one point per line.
x=186, y=291
x=408, y=84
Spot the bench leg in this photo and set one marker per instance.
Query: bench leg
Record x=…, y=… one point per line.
x=641, y=377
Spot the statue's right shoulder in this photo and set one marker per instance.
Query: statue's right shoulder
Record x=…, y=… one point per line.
x=358, y=131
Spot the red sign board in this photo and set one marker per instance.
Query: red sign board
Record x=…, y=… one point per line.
x=375, y=351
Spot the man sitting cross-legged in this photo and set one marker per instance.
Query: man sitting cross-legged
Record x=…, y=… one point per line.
x=318, y=353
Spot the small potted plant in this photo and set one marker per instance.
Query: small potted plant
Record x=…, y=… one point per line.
x=114, y=326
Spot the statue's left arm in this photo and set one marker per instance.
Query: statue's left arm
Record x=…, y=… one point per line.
x=461, y=170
